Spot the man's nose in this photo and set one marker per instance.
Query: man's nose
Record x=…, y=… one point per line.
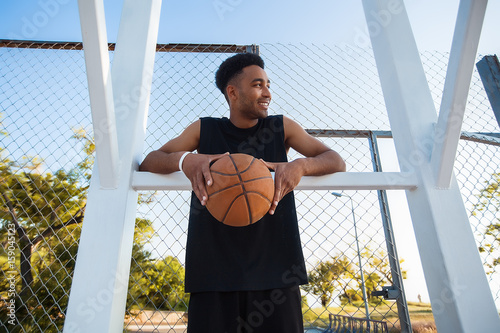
x=266, y=92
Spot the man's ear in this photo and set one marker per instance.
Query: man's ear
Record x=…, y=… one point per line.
x=231, y=92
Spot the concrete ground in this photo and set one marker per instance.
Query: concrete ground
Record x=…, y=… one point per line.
x=156, y=329
x=183, y=329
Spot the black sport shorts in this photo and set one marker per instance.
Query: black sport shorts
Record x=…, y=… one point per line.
x=267, y=311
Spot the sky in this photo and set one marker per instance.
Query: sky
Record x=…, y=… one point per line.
x=256, y=22
x=248, y=22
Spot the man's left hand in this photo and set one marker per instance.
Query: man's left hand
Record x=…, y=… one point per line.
x=287, y=177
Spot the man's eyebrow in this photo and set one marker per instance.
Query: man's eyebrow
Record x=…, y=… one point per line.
x=261, y=80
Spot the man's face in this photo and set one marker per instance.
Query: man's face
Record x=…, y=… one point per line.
x=252, y=93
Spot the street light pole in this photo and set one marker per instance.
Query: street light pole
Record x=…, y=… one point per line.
x=359, y=255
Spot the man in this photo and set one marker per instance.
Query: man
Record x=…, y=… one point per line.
x=244, y=279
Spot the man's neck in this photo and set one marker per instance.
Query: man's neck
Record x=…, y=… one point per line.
x=242, y=122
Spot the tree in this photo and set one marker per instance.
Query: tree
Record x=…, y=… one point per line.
x=46, y=210
x=377, y=273
x=489, y=201
x=350, y=296
x=167, y=291
x=154, y=283
x=327, y=276
x=39, y=206
x=339, y=273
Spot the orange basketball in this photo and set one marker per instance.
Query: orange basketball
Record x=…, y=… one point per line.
x=242, y=190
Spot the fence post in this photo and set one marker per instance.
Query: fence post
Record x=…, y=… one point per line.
x=489, y=71
x=397, y=276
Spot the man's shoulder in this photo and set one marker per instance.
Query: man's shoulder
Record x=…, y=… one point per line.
x=275, y=117
x=275, y=121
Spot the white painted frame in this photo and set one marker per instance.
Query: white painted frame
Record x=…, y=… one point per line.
x=458, y=288
x=338, y=181
x=100, y=282
x=456, y=88
x=100, y=90
x=461, y=299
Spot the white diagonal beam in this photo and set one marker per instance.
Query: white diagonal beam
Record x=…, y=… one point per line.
x=454, y=274
x=456, y=88
x=100, y=282
x=338, y=181
x=95, y=47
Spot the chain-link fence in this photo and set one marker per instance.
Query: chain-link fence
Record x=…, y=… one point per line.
x=47, y=155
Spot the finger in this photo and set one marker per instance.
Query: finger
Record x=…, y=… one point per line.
x=217, y=157
x=203, y=197
x=197, y=192
x=272, y=209
x=276, y=199
x=206, y=172
x=200, y=189
x=214, y=158
x=269, y=165
x=207, y=176
x=203, y=193
x=203, y=189
x=196, y=188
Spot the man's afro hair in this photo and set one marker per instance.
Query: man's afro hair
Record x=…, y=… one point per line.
x=233, y=66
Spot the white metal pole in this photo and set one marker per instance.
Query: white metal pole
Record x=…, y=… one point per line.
x=455, y=277
x=95, y=47
x=337, y=181
x=456, y=88
x=100, y=283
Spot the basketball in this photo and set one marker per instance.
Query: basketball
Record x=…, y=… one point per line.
x=242, y=190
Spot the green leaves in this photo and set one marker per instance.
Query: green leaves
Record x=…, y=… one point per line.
x=157, y=284
x=341, y=277
x=327, y=276
x=489, y=206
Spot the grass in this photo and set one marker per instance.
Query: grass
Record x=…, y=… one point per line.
x=420, y=315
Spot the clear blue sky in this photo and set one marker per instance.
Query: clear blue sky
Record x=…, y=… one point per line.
x=254, y=21
x=246, y=22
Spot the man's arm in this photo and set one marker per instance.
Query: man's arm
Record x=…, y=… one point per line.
x=166, y=159
x=195, y=166
x=318, y=160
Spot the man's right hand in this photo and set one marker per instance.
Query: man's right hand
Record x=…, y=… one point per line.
x=197, y=168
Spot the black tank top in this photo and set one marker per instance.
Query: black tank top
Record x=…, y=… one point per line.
x=261, y=256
